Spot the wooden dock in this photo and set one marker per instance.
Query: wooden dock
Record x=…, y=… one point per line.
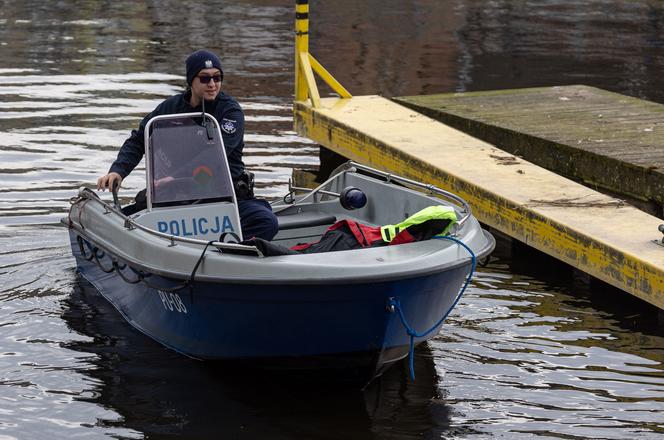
x=605, y=140
x=576, y=131
x=596, y=233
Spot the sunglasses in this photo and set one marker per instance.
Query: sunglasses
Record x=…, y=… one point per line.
x=204, y=79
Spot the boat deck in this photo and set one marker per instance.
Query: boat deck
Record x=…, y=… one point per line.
x=600, y=235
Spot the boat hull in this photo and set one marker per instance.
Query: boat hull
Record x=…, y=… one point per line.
x=327, y=325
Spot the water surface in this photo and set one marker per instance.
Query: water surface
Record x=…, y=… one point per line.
x=532, y=351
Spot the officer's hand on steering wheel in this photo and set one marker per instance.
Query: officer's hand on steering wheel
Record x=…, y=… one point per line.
x=108, y=181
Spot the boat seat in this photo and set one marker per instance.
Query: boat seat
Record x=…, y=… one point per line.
x=305, y=220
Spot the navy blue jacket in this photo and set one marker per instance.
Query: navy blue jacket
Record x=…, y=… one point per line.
x=224, y=108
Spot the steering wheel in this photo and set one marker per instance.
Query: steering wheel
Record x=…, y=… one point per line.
x=173, y=188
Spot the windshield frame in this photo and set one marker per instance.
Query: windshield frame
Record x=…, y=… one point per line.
x=148, y=159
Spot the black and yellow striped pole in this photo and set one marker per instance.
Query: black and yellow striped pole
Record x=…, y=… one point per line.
x=306, y=65
x=301, y=48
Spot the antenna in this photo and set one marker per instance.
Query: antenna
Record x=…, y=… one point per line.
x=207, y=124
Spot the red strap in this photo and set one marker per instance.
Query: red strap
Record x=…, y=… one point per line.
x=301, y=246
x=355, y=229
x=402, y=237
x=372, y=234
x=337, y=225
x=365, y=235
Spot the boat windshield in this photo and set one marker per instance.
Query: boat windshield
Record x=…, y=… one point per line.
x=187, y=166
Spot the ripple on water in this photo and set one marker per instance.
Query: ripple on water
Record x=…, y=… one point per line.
x=43, y=165
x=519, y=358
x=508, y=368
x=44, y=387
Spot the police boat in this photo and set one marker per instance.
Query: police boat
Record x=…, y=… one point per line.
x=181, y=272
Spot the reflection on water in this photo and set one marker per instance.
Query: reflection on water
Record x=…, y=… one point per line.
x=520, y=355
x=531, y=351
x=523, y=358
x=399, y=48
x=159, y=392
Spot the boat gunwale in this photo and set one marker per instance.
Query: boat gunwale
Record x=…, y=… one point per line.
x=348, y=167
x=285, y=269
x=319, y=280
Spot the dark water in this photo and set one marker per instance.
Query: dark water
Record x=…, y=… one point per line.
x=532, y=351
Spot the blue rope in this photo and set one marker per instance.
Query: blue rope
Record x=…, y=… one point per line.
x=414, y=334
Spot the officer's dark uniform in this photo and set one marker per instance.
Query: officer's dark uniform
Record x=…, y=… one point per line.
x=256, y=217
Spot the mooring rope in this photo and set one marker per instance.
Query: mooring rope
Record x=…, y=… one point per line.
x=193, y=272
x=412, y=333
x=97, y=254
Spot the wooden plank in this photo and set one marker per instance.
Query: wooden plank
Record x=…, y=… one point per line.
x=598, y=137
x=598, y=234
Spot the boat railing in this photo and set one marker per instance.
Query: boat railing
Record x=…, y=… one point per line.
x=428, y=187
x=463, y=206
x=130, y=224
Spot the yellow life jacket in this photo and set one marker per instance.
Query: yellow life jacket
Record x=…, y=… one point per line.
x=436, y=212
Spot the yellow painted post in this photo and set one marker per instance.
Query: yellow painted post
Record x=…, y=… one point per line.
x=301, y=47
x=306, y=65
x=310, y=80
x=329, y=79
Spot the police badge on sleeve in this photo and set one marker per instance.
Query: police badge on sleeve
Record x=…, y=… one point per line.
x=229, y=126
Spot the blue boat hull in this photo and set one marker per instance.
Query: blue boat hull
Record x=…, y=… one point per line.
x=292, y=326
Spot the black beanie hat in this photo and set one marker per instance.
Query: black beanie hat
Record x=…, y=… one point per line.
x=199, y=60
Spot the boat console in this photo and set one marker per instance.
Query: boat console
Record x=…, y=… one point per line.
x=189, y=185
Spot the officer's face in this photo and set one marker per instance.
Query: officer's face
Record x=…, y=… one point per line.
x=206, y=90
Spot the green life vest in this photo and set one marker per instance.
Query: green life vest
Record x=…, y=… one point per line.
x=436, y=212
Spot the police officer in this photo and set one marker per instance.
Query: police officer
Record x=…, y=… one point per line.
x=204, y=77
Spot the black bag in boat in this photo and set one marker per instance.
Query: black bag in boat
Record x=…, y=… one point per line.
x=347, y=234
